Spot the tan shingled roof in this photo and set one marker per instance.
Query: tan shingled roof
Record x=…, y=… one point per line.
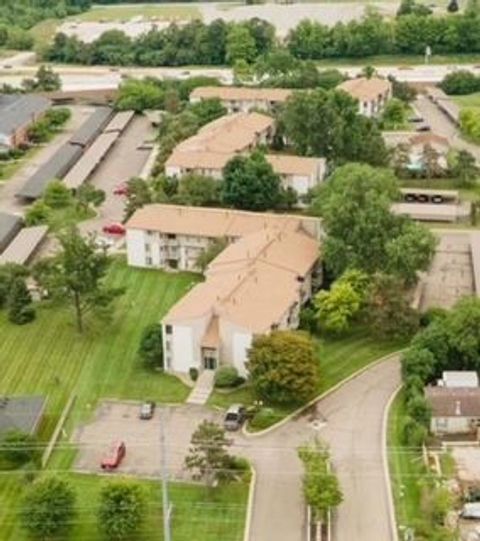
x=429, y=139
x=230, y=133
x=198, y=160
x=253, y=282
x=453, y=401
x=241, y=93
x=211, y=222
x=293, y=165
x=365, y=89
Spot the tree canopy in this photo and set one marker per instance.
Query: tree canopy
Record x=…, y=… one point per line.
x=283, y=367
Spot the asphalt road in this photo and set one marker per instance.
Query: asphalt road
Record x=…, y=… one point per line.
x=442, y=125
x=76, y=78
x=351, y=421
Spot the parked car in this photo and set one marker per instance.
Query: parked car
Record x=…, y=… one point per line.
x=416, y=119
x=147, y=409
x=424, y=127
x=122, y=189
x=115, y=456
x=235, y=417
x=114, y=229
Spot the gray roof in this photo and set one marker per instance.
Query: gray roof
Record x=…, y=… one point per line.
x=24, y=245
x=9, y=226
x=22, y=413
x=18, y=110
x=57, y=167
x=92, y=127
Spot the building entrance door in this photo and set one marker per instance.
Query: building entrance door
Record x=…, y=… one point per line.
x=209, y=363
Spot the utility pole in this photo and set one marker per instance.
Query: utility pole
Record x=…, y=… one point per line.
x=167, y=535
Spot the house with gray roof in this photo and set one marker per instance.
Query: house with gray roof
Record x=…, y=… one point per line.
x=17, y=113
x=21, y=413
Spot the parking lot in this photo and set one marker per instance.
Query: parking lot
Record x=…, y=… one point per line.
x=451, y=275
x=119, y=421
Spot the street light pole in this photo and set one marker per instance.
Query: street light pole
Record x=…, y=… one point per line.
x=167, y=535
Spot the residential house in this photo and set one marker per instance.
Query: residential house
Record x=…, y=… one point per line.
x=242, y=99
x=372, y=94
x=17, y=113
x=257, y=284
x=455, y=410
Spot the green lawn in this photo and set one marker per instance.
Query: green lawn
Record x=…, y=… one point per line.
x=400, y=60
x=338, y=358
x=50, y=357
x=471, y=100
x=405, y=469
x=198, y=514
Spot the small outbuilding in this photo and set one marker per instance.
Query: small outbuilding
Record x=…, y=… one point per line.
x=459, y=378
x=21, y=413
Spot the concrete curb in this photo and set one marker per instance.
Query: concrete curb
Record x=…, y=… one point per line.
x=251, y=498
x=326, y=393
x=386, y=466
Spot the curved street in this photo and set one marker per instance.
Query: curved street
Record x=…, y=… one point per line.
x=350, y=419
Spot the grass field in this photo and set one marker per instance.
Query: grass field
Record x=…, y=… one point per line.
x=405, y=469
x=470, y=101
x=338, y=358
x=216, y=515
x=50, y=357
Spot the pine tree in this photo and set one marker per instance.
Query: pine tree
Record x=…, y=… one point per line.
x=20, y=310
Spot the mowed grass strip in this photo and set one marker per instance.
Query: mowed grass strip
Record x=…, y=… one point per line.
x=198, y=513
x=167, y=12
x=50, y=357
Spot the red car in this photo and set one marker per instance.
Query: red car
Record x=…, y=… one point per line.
x=121, y=190
x=114, y=457
x=114, y=229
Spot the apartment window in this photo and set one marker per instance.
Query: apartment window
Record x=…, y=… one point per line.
x=171, y=236
x=149, y=232
x=168, y=329
x=167, y=346
x=147, y=247
x=148, y=261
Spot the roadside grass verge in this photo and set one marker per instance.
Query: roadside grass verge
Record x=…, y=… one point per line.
x=338, y=359
x=198, y=513
x=405, y=468
x=399, y=60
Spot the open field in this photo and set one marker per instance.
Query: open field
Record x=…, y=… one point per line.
x=50, y=357
x=216, y=515
x=338, y=358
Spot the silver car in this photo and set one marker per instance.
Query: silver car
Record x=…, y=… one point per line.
x=235, y=417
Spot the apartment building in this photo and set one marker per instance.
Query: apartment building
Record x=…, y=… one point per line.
x=172, y=237
x=242, y=99
x=257, y=284
x=372, y=94
x=208, y=152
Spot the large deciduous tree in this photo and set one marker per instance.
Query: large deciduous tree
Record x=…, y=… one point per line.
x=327, y=123
x=122, y=509
x=283, y=367
x=362, y=232
x=48, y=509
x=77, y=273
x=250, y=183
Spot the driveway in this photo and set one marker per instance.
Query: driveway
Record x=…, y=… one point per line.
x=441, y=125
x=352, y=419
x=118, y=421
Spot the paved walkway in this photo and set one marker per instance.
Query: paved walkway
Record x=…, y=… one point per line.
x=203, y=388
x=351, y=421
